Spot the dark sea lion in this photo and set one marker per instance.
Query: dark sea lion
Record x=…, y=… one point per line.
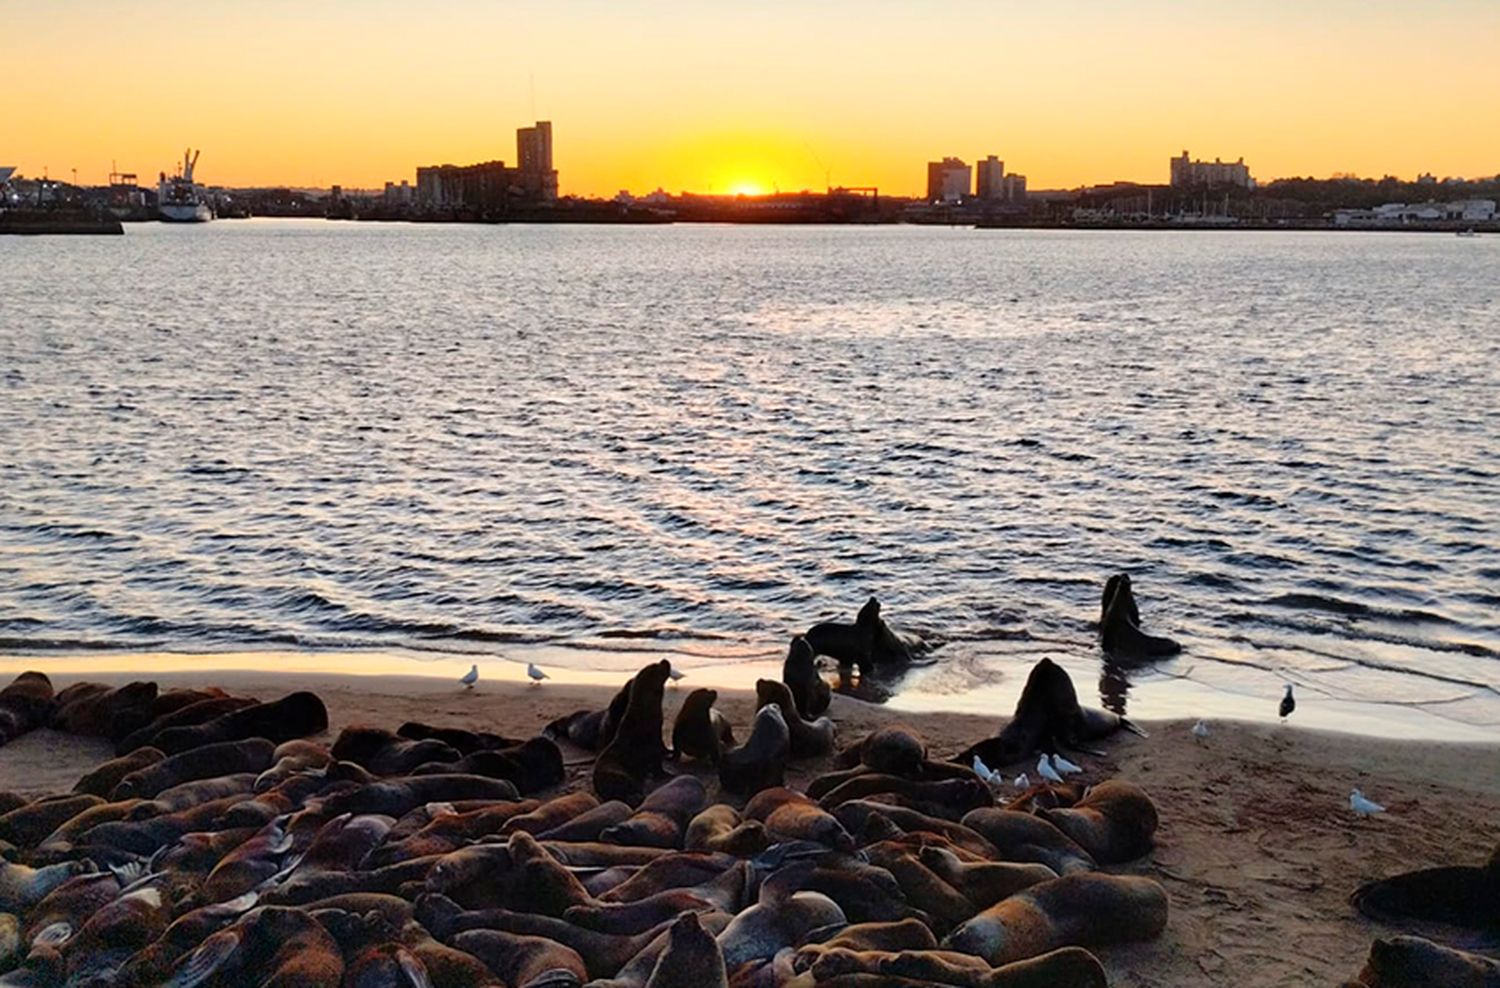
x=11, y=801
x=25, y=705
x=1464, y=899
x=894, y=750
x=673, y=870
x=865, y=892
x=640, y=967
x=868, y=643
x=386, y=753
x=69, y=830
x=1068, y=967
x=944, y=905
x=1023, y=837
x=692, y=958
x=63, y=911
x=102, y=780
x=114, y=931
x=188, y=794
x=553, y=813
x=630, y=918
x=775, y=923
x=1120, y=625
x=856, y=813
x=296, y=715
x=593, y=730
x=187, y=716
x=635, y=753
x=269, y=947
x=22, y=886
x=532, y=765
x=290, y=795
x=1412, y=962
x=760, y=762
x=465, y=742
x=148, y=836
x=207, y=762
x=396, y=797
x=113, y=713
x=700, y=731
x=25, y=826
x=800, y=673
x=808, y=739
x=448, y=832
x=955, y=796
x=663, y=815
x=1075, y=910
x=1114, y=822
x=588, y=825
x=983, y=883
x=292, y=758
x=519, y=959
x=721, y=828
x=540, y=883
x=392, y=879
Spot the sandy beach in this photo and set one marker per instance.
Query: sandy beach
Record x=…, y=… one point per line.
x=1257, y=847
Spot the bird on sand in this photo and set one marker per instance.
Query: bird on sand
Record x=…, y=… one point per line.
x=1362, y=806
x=1045, y=770
x=536, y=674
x=986, y=774
x=675, y=674
x=1023, y=781
x=471, y=677
x=1288, y=703
x=1200, y=730
x=1064, y=766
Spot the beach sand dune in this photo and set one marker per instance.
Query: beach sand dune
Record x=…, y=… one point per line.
x=1257, y=847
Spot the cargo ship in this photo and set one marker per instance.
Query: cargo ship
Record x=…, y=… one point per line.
x=179, y=199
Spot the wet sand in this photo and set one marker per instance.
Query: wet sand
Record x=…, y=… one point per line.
x=1257, y=847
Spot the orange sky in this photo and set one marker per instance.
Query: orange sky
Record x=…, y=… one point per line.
x=714, y=96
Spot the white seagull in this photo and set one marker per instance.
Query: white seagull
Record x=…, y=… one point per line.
x=1200, y=730
x=986, y=774
x=536, y=674
x=675, y=673
x=471, y=677
x=1023, y=781
x=1045, y=770
x=1064, y=766
x=1362, y=806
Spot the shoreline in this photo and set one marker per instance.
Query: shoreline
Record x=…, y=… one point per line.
x=981, y=683
x=1257, y=848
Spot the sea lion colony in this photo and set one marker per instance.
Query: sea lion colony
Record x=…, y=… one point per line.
x=222, y=847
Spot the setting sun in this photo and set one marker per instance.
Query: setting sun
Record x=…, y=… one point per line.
x=747, y=188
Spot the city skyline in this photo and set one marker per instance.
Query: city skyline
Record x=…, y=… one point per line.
x=728, y=101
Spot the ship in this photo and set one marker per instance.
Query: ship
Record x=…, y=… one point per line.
x=179, y=199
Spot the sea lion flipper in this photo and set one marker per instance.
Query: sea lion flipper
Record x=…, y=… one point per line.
x=414, y=969
x=1133, y=727
x=208, y=958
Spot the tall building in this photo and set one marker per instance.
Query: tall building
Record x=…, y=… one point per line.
x=1187, y=173
x=534, y=161
x=990, y=179
x=948, y=181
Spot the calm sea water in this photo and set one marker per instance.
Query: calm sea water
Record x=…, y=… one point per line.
x=276, y=433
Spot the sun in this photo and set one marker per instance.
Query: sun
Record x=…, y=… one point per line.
x=746, y=187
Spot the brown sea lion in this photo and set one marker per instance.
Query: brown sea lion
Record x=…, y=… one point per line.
x=296, y=715
x=113, y=932
x=865, y=892
x=466, y=742
x=541, y=884
x=1023, y=837
x=1466, y=900
x=292, y=758
x=630, y=918
x=692, y=958
x=1068, y=967
x=760, y=762
x=944, y=905
x=69, y=830
x=268, y=947
x=520, y=959
x=808, y=739
x=635, y=753
x=386, y=753
x=396, y=797
x=22, y=886
x=894, y=750
x=188, y=794
x=448, y=832
x=800, y=673
x=855, y=813
x=147, y=836
x=593, y=730
x=187, y=716
x=663, y=816
x=1075, y=910
x=553, y=813
x=102, y=780
x=868, y=643
x=153, y=965
x=1412, y=962
x=807, y=821
x=63, y=911
x=721, y=828
x=25, y=705
x=700, y=731
x=775, y=923
x=1114, y=822
x=207, y=762
x=673, y=870
x=955, y=796
x=403, y=878
x=532, y=765
x=1120, y=625
x=109, y=712
x=27, y=825
x=983, y=883
x=588, y=825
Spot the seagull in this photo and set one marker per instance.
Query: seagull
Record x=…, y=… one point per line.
x=1200, y=730
x=471, y=677
x=536, y=674
x=675, y=673
x=986, y=774
x=1064, y=766
x=1045, y=770
x=1288, y=702
x=1362, y=806
x=1023, y=781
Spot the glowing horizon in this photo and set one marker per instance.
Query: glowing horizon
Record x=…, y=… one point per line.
x=775, y=96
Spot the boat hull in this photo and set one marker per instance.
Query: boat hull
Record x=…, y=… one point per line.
x=185, y=212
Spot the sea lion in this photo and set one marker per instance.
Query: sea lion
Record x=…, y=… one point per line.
x=396, y=797
x=1074, y=910
x=663, y=816
x=943, y=905
x=448, y=831
x=102, y=780
x=808, y=740
x=954, y=797
x=904, y=934
x=519, y=959
x=760, y=762
x=296, y=715
x=293, y=758
x=553, y=813
x=153, y=965
x=207, y=762
x=868, y=643
x=22, y=886
x=25, y=826
x=1023, y=837
x=630, y=918
x=800, y=673
x=692, y=958
x=983, y=883
x=540, y=883
x=700, y=731
x=386, y=753
x=87, y=709
x=1114, y=822
x=721, y=828
x=865, y=892
x=635, y=753
x=1412, y=962
x=636, y=973
x=1461, y=898
x=147, y=836
x=673, y=870
x=855, y=814
x=588, y=825
x=804, y=820
x=404, y=878
x=465, y=742
x=63, y=911
x=775, y=923
x=116, y=930
x=1067, y=967
x=593, y=730
x=1120, y=625
x=187, y=716
x=25, y=705
x=188, y=794
x=894, y=750
x=270, y=947
x=532, y=765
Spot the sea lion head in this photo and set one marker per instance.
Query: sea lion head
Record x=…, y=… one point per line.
x=869, y=615
x=800, y=649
